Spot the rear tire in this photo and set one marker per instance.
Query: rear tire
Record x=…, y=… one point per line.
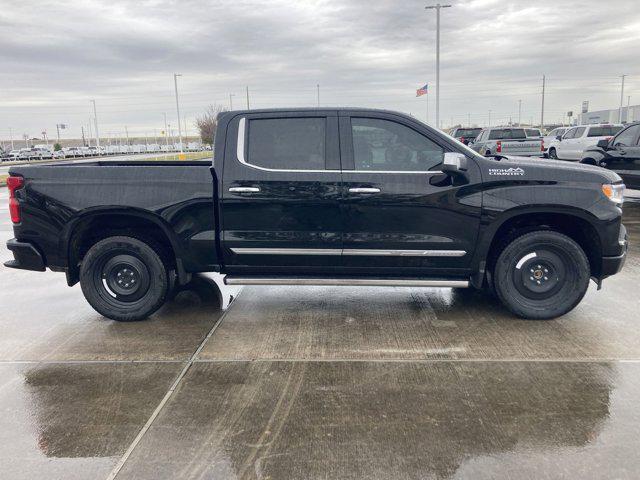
x=553, y=154
x=541, y=275
x=124, y=279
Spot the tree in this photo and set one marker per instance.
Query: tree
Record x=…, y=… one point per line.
x=57, y=147
x=208, y=123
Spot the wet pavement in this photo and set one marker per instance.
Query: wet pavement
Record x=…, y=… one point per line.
x=310, y=383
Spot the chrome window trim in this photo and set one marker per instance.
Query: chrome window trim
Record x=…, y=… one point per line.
x=243, y=161
x=349, y=252
x=241, y=158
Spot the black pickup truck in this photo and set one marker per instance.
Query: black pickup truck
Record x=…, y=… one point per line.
x=322, y=197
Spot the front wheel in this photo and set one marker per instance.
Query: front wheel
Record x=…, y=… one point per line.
x=553, y=154
x=124, y=279
x=541, y=275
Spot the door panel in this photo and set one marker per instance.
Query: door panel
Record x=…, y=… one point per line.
x=278, y=215
x=405, y=222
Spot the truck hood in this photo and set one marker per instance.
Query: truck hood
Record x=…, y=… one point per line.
x=558, y=170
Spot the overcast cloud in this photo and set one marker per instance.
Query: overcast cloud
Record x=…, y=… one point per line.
x=56, y=56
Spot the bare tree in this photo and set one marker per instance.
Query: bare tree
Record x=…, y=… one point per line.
x=208, y=123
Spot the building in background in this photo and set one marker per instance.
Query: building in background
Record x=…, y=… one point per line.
x=610, y=116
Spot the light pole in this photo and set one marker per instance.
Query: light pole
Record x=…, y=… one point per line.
x=621, y=99
x=175, y=82
x=166, y=132
x=95, y=119
x=318, y=88
x=231, y=95
x=437, y=8
x=11, y=137
x=248, y=108
x=519, y=112
x=489, y=119
x=544, y=84
x=628, y=106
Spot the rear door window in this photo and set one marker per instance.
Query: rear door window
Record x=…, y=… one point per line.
x=287, y=143
x=579, y=132
x=604, y=131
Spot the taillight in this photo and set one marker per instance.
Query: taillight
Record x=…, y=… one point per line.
x=462, y=140
x=542, y=145
x=498, y=146
x=14, y=184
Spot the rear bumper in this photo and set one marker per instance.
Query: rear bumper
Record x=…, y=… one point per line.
x=26, y=256
x=612, y=265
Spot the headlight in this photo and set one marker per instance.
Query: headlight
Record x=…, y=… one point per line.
x=614, y=192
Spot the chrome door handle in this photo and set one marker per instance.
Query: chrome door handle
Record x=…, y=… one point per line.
x=364, y=190
x=244, y=189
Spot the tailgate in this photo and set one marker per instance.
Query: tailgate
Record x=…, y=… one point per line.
x=522, y=147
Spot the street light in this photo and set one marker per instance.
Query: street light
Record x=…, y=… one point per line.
x=175, y=82
x=437, y=8
x=621, y=99
x=95, y=118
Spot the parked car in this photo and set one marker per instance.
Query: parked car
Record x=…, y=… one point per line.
x=465, y=135
x=401, y=204
x=25, y=154
x=576, y=140
x=58, y=154
x=13, y=155
x=552, y=136
x=38, y=153
x=623, y=150
x=73, y=152
x=506, y=141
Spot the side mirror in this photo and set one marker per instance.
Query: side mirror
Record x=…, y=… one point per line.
x=454, y=163
x=604, y=143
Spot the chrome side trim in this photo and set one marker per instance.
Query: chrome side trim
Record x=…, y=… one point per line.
x=287, y=251
x=369, y=282
x=395, y=172
x=403, y=253
x=244, y=189
x=349, y=252
x=364, y=190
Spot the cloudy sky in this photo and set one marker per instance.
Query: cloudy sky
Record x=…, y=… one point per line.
x=55, y=56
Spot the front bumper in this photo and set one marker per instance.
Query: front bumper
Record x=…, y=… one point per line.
x=612, y=265
x=26, y=256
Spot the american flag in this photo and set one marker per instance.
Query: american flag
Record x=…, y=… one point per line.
x=422, y=90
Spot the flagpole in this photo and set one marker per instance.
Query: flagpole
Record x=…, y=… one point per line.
x=427, y=107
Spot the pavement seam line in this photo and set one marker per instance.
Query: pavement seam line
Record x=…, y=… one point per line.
x=116, y=469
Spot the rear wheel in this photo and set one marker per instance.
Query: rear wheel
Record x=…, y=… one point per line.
x=541, y=275
x=124, y=279
x=553, y=154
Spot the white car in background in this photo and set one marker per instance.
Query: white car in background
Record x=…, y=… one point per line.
x=577, y=139
x=552, y=136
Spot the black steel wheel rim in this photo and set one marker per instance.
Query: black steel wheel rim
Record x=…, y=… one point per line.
x=540, y=274
x=123, y=278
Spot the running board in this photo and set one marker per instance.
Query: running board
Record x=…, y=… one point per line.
x=369, y=282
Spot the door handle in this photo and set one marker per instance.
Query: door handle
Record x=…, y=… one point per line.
x=364, y=190
x=244, y=189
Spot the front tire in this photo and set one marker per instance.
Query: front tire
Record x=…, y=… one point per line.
x=541, y=275
x=124, y=279
x=553, y=154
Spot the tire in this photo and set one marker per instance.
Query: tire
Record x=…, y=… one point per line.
x=541, y=275
x=124, y=279
x=553, y=154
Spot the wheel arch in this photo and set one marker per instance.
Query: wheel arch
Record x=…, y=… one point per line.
x=577, y=224
x=95, y=224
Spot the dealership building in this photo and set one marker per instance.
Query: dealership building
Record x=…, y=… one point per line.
x=629, y=114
